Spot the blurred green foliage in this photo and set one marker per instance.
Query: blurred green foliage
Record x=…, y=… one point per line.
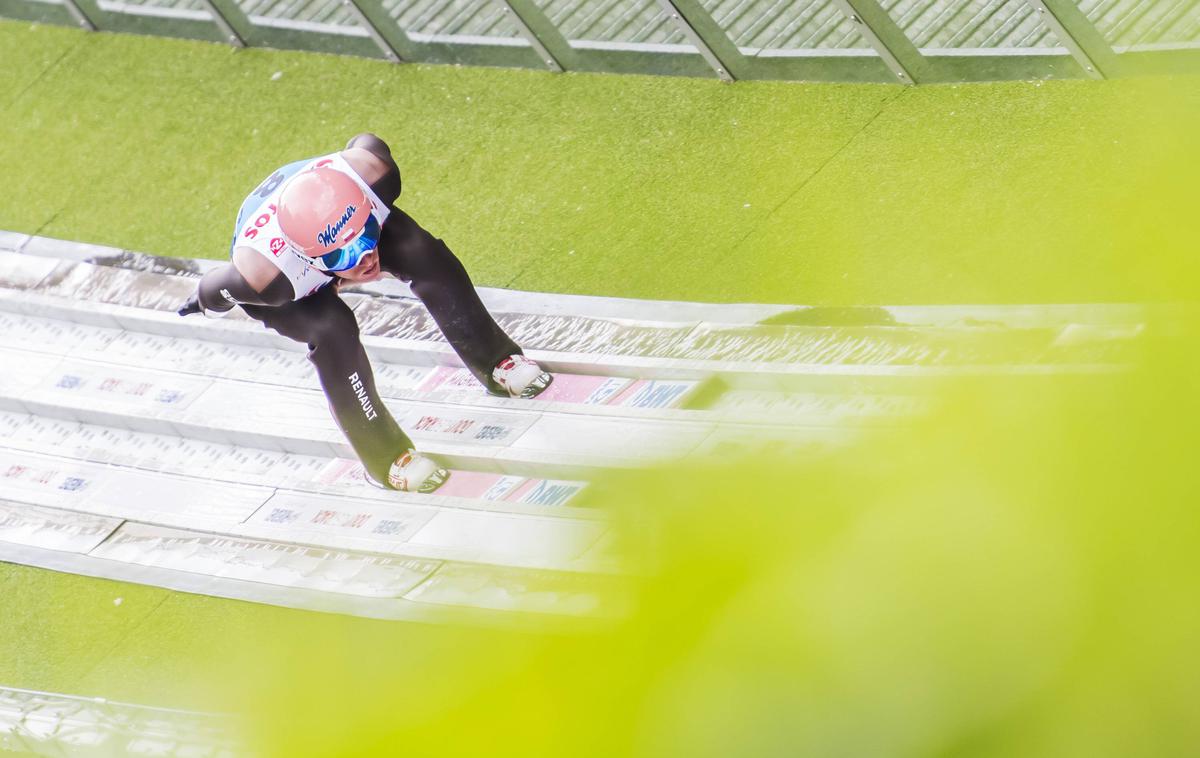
x=1011, y=576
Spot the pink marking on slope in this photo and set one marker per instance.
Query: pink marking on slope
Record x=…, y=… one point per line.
x=469, y=483
x=444, y=377
x=571, y=388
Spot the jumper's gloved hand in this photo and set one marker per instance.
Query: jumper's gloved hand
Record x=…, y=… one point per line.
x=191, y=306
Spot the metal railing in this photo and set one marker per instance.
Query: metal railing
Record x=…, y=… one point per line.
x=908, y=41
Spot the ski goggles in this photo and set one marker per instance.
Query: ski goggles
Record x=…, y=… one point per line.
x=348, y=256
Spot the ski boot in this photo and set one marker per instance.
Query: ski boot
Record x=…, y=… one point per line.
x=519, y=376
x=413, y=472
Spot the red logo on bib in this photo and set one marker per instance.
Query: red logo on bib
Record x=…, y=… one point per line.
x=277, y=245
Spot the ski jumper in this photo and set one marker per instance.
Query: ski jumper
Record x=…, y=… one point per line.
x=317, y=316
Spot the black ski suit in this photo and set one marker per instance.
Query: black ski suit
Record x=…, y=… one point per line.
x=324, y=322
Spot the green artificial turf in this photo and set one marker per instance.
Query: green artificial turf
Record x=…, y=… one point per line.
x=66, y=633
x=57, y=627
x=628, y=185
x=25, y=64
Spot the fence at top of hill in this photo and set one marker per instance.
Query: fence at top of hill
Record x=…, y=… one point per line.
x=906, y=41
